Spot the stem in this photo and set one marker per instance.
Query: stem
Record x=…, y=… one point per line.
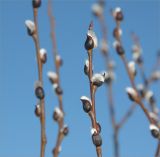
x=99, y=151
x=113, y=120
x=138, y=101
x=60, y=137
x=116, y=143
x=158, y=150
x=115, y=126
x=127, y=115
x=60, y=134
x=42, y=103
x=91, y=85
x=145, y=81
x=92, y=114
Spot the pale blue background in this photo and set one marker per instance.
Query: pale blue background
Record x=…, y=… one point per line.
x=19, y=128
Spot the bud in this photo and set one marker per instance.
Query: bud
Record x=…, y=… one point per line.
x=136, y=50
x=97, y=9
x=57, y=150
x=87, y=104
x=141, y=90
x=65, y=130
x=118, y=48
x=117, y=14
x=108, y=76
x=57, y=114
x=59, y=60
x=43, y=55
x=132, y=69
x=97, y=79
x=154, y=131
x=98, y=127
x=131, y=93
x=30, y=27
x=39, y=92
x=86, y=67
x=38, y=110
x=154, y=116
x=97, y=140
x=36, y=3
x=93, y=131
x=117, y=32
x=52, y=77
x=155, y=75
x=91, y=41
x=58, y=89
x=150, y=97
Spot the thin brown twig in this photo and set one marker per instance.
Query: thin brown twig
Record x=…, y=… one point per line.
x=149, y=80
x=92, y=93
x=116, y=126
x=127, y=115
x=157, y=154
x=60, y=135
x=40, y=66
x=138, y=99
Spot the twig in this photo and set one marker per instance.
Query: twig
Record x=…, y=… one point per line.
x=63, y=130
x=119, y=17
x=127, y=115
x=104, y=49
x=32, y=28
x=92, y=93
x=158, y=150
x=40, y=66
x=89, y=105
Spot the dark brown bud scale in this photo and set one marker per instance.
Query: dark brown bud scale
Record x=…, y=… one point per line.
x=38, y=110
x=120, y=50
x=131, y=97
x=39, y=92
x=86, y=70
x=97, y=140
x=119, y=16
x=56, y=116
x=44, y=59
x=155, y=133
x=36, y=3
x=58, y=90
x=98, y=127
x=116, y=33
x=65, y=131
x=87, y=106
x=89, y=43
x=30, y=33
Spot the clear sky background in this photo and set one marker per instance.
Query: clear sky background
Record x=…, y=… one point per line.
x=20, y=129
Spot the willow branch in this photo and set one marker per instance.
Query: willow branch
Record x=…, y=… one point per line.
x=42, y=103
x=92, y=93
x=115, y=125
x=60, y=135
x=138, y=99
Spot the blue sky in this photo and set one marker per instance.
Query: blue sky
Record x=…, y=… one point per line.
x=20, y=129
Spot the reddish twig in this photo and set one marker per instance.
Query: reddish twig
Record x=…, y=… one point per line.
x=158, y=150
x=138, y=99
x=116, y=126
x=63, y=130
x=89, y=105
x=40, y=66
